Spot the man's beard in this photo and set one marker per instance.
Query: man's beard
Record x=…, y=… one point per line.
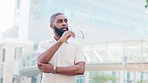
x=59, y=31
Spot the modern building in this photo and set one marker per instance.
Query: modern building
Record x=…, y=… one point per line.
x=11, y=51
x=113, y=33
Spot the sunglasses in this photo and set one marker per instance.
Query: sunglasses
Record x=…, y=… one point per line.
x=62, y=20
x=78, y=33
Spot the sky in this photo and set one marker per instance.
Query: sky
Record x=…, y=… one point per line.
x=6, y=14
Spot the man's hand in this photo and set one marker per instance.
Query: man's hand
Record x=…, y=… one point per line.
x=46, y=68
x=66, y=35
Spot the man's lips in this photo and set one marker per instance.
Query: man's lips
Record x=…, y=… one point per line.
x=64, y=28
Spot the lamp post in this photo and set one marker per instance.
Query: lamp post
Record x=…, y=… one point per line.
x=124, y=63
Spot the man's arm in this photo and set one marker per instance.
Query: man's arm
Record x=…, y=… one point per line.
x=77, y=69
x=46, y=56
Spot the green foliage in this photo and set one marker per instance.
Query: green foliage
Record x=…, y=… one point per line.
x=99, y=77
x=142, y=81
x=146, y=4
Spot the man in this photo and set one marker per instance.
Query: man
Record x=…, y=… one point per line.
x=60, y=58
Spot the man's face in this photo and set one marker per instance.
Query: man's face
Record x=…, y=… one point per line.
x=60, y=25
x=60, y=31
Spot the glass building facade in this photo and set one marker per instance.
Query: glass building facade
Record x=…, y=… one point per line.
x=115, y=38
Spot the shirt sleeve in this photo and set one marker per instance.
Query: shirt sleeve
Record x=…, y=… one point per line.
x=41, y=48
x=79, y=54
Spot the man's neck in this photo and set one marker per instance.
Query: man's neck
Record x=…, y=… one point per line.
x=56, y=38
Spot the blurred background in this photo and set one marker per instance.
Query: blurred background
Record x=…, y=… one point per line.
x=114, y=38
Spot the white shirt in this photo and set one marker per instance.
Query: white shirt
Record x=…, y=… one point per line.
x=68, y=54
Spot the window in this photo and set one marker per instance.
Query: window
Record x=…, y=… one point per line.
x=33, y=79
x=18, y=52
x=1, y=80
x=80, y=79
x=3, y=57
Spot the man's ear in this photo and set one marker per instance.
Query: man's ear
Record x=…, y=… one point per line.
x=51, y=25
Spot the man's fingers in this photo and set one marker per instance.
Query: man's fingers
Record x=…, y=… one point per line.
x=70, y=34
x=40, y=64
x=73, y=34
x=41, y=70
x=41, y=67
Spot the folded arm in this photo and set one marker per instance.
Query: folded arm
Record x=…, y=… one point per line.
x=77, y=69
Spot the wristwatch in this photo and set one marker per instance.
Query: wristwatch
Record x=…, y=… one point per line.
x=53, y=70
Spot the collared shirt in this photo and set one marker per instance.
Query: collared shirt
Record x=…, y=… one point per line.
x=69, y=53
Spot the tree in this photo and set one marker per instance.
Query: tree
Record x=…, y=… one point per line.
x=99, y=77
x=146, y=4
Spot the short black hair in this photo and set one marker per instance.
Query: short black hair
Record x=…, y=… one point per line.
x=54, y=15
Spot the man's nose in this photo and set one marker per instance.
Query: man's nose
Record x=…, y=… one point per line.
x=64, y=24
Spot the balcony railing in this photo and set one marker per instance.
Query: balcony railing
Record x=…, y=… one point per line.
x=104, y=54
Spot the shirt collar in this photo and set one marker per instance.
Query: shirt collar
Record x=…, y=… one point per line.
x=51, y=40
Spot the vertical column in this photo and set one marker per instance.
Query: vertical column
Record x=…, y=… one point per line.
x=27, y=80
x=121, y=74
x=1, y=53
x=8, y=65
x=1, y=66
x=86, y=79
x=135, y=76
x=38, y=78
x=24, y=19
